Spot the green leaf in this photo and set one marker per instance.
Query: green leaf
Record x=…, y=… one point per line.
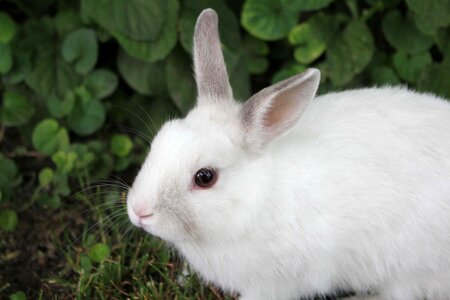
x=45, y=177
x=63, y=139
x=99, y=252
x=350, y=52
x=6, y=60
x=18, y=296
x=287, y=71
x=85, y=264
x=87, y=117
x=8, y=28
x=180, y=82
x=256, y=65
x=149, y=51
x=35, y=8
x=409, y=66
x=145, y=78
x=121, y=145
x=138, y=20
x=103, y=166
x=8, y=220
x=61, y=185
x=65, y=160
x=89, y=240
x=67, y=21
x=60, y=108
x=121, y=163
x=101, y=83
x=48, y=137
x=312, y=37
x=254, y=52
x=103, y=35
x=49, y=201
x=268, y=19
x=430, y=15
x=306, y=5
x=21, y=66
x=42, y=44
x=238, y=76
x=52, y=76
x=17, y=110
x=139, y=34
x=384, y=3
x=255, y=46
x=84, y=156
x=9, y=173
x=81, y=48
x=384, y=76
x=435, y=79
x=442, y=39
x=403, y=35
x=83, y=94
x=311, y=46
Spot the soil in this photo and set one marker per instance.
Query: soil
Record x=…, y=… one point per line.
x=30, y=256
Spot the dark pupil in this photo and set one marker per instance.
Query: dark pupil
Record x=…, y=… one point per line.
x=204, y=177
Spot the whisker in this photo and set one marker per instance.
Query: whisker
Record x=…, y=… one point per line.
x=86, y=189
x=121, y=180
x=134, y=131
x=145, y=112
x=137, y=116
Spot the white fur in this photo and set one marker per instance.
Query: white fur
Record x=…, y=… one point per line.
x=355, y=196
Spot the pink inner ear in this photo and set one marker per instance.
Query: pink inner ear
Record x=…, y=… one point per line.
x=284, y=109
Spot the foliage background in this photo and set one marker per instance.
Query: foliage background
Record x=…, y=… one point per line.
x=86, y=84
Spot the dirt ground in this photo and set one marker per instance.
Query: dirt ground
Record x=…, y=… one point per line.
x=29, y=256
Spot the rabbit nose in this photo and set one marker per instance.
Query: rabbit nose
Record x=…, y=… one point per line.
x=141, y=210
x=139, y=214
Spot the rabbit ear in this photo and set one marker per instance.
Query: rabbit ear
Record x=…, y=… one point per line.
x=210, y=70
x=275, y=109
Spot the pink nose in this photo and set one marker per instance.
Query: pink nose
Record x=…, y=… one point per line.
x=138, y=214
x=141, y=212
x=142, y=215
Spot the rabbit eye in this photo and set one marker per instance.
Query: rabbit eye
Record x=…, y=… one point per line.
x=205, y=177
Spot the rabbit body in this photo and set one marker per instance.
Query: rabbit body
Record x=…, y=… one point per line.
x=356, y=196
x=349, y=190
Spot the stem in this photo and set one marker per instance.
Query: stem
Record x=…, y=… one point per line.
x=4, y=287
x=352, y=6
x=368, y=13
x=32, y=200
x=2, y=133
x=23, y=8
x=28, y=154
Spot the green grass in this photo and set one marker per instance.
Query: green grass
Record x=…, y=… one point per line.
x=139, y=266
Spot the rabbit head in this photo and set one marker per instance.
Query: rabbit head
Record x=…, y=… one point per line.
x=203, y=178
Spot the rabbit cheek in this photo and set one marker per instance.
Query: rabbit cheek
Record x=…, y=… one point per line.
x=176, y=220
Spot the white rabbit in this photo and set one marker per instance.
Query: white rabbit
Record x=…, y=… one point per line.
x=288, y=196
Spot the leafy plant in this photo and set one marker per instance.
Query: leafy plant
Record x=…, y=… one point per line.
x=86, y=84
